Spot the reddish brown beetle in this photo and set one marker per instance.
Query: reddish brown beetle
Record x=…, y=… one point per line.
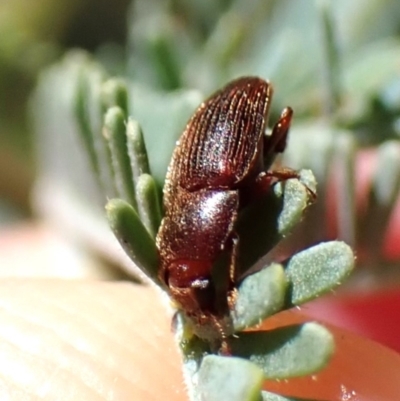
x=218, y=166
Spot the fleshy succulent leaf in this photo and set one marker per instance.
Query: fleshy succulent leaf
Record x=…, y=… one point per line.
x=296, y=194
x=259, y=295
x=133, y=237
x=317, y=270
x=228, y=379
x=148, y=202
x=286, y=352
x=136, y=149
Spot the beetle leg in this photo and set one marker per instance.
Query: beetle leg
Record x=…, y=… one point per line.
x=273, y=176
x=267, y=178
x=234, y=239
x=276, y=142
x=233, y=270
x=262, y=184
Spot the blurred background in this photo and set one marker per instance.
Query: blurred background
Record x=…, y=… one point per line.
x=32, y=36
x=336, y=63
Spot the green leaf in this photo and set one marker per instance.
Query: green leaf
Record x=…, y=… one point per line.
x=82, y=118
x=286, y=352
x=89, y=117
x=115, y=134
x=148, y=202
x=318, y=269
x=296, y=195
x=164, y=58
x=114, y=92
x=133, y=237
x=228, y=379
x=136, y=149
x=259, y=295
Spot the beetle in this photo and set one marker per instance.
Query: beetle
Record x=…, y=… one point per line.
x=218, y=167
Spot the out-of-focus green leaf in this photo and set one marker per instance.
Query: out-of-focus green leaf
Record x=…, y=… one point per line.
x=89, y=116
x=114, y=132
x=114, y=92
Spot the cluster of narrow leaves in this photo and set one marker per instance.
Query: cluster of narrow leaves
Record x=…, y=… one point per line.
x=116, y=149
